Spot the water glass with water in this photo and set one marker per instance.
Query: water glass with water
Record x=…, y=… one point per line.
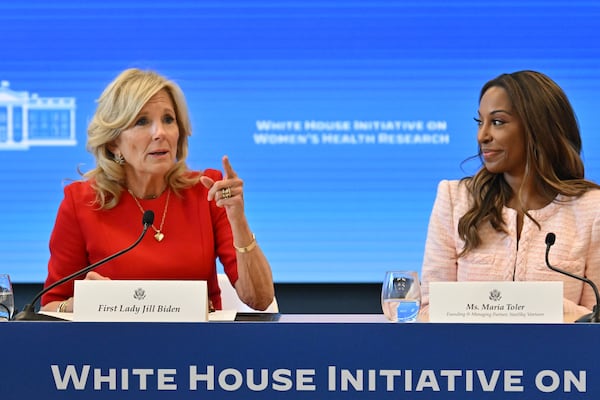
x=401, y=296
x=7, y=302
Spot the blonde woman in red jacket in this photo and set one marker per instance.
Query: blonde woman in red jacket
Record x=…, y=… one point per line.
x=139, y=137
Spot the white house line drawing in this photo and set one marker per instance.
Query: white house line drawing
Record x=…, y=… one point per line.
x=29, y=120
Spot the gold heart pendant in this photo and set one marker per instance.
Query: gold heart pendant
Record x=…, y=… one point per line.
x=159, y=236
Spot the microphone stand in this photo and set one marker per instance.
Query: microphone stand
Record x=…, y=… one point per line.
x=594, y=316
x=29, y=314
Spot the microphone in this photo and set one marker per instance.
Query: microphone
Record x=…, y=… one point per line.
x=29, y=314
x=593, y=316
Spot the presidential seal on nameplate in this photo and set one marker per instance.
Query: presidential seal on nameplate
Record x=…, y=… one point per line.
x=498, y=301
x=140, y=301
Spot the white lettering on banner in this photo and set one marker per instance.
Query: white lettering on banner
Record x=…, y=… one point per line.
x=165, y=378
x=70, y=375
x=450, y=375
x=388, y=125
x=268, y=125
x=289, y=138
x=569, y=380
x=448, y=380
x=303, y=380
x=346, y=125
x=424, y=138
x=282, y=380
x=332, y=138
x=356, y=132
x=111, y=379
x=351, y=138
x=407, y=386
x=231, y=379
x=327, y=126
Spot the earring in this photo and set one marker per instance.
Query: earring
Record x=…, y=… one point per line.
x=119, y=159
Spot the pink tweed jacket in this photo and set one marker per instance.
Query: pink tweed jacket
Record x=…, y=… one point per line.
x=500, y=257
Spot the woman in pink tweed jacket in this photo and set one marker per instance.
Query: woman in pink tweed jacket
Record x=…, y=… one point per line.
x=492, y=226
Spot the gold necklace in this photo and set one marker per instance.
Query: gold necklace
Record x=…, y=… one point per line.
x=159, y=235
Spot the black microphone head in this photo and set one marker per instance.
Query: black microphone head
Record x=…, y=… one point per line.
x=550, y=239
x=148, y=218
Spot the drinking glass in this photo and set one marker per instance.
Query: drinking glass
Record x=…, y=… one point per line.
x=7, y=302
x=401, y=296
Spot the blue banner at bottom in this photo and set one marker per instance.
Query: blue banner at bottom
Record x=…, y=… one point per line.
x=278, y=360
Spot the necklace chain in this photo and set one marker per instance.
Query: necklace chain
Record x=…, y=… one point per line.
x=159, y=235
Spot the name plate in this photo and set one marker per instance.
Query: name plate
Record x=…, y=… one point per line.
x=500, y=301
x=139, y=300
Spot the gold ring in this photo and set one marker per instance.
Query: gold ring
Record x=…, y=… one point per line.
x=226, y=193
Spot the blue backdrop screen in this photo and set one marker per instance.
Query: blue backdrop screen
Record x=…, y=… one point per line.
x=341, y=117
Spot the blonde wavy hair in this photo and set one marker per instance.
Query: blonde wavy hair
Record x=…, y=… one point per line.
x=118, y=106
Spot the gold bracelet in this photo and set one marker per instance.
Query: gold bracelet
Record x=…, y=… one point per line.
x=248, y=248
x=62, y=306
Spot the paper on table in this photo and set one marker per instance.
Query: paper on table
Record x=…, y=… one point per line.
x=62, y=315
x=222, y=315
x=219, y=315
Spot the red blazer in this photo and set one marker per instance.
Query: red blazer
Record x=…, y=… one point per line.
x=196, y=233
